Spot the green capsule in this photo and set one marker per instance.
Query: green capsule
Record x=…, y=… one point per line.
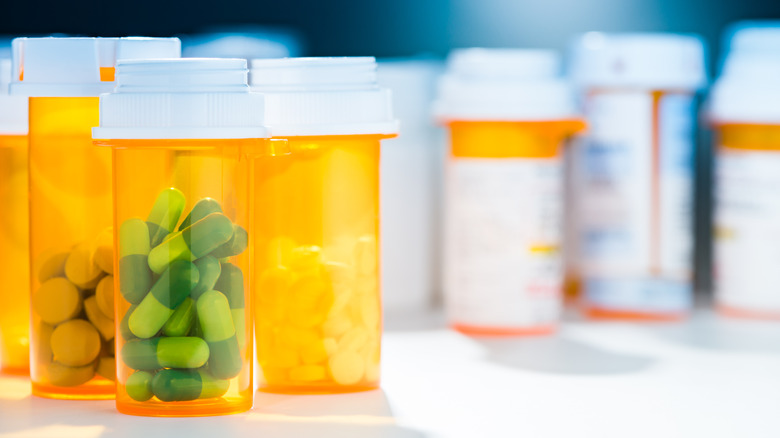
x=173, y=286
x=165, y=214
x=165, y=352
x=180, y=322
x=216, y=322
x=231, y=283
x=139, y=386
x=135, y=277
x=183, y=385
x=235, y=246
x=201, y=209
x=124, y=327
x=209, y=269
x=193, y=242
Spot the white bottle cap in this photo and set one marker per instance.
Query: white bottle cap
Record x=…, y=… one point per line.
x=749, y=86
x=70, y=67
x=504, y=85
x=13, y=109
x=655, y=61
x=186, y=98
x=323, y=96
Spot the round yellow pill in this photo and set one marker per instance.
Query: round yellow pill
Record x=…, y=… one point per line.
x=370, y=310
x=53, y=266
x=42, y=342
x=354, y=339
x=307, y=373
x=105, y=296
x=306, y=258
x=101, y=322
x=75, y=343
x=57, y=300
x=81, y=269
x=283, y=357
x=314, y=353
x=63, y=375
x=104, y=251
x=107, y=368
x=346, y=367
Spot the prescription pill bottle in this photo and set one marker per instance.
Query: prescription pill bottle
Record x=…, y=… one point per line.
x=182, y=132
x=632, y=178
x=71, y=244
x=508, y=114
x=745, y=116
x=318, y=316
x=14, y=236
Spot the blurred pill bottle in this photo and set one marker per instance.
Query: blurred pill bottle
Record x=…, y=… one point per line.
x=509, y=114
x=410, y=183
x=631, y=179
x=72, y=348
x=744, y=113
x=14, y=236
x=317, y=295
x=182, y=132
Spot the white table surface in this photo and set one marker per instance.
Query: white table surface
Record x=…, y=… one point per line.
x=708, y=377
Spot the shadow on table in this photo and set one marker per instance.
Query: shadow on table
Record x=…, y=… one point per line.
x=558, y=355
x=349, y=415
x=708, y=330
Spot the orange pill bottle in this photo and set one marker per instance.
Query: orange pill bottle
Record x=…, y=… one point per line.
x=509, y=115
x=14, y=236
x=317, y=300
x=182, y=132
x=71, y=248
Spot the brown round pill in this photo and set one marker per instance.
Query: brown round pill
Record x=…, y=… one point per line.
x=63, y=375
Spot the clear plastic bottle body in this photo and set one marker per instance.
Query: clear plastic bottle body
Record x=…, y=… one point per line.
x=316, y=257
x=747, y=213
x=183, y=319
x=70, y=220
x=503, y=231
x=14, y=244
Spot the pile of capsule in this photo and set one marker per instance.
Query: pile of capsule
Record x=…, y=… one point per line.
x=318, y=314
x=184, y=331
x=74, y=313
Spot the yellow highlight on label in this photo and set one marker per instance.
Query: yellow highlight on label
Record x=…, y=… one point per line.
x=544, y=249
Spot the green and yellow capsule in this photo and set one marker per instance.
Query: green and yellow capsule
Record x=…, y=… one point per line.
x=171, y=385
x=216, y=323
x=165, y=214
x=209, y=269
x=231, y=283
x=135, y=277
x=180, y=323
x=193, y=242
x=173, y=287
x=235, y=246
x=201, y=209
x=165, y=352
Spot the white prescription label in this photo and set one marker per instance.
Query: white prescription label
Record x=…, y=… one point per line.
x=747, y=224
x=634, y=202
x=503, y=264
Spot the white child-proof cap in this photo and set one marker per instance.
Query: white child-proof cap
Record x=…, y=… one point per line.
x=186, y=98
x=655, y=61
x=748, y=90
x=323, y=96
x=504, y=85
x=13, y=109
x=70, y=67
